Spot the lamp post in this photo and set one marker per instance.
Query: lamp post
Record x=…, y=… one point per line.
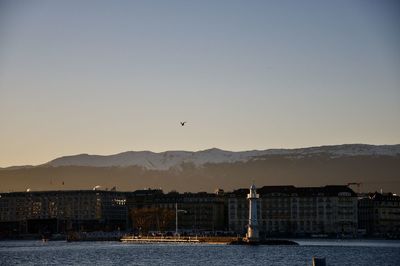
x=176, y=217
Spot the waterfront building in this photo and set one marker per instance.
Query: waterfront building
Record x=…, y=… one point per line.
x=238, y=210
x=302, y=211
x=279, y=211
x=379, y=215
x=152, y=210
x=61, y=211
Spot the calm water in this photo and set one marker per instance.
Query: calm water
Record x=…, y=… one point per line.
x=114, y=253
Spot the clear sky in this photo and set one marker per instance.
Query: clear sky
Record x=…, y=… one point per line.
x=102, y=77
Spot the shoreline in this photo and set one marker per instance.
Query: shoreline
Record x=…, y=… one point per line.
x=193, y=239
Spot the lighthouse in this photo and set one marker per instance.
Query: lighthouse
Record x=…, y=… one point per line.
x=252, y=235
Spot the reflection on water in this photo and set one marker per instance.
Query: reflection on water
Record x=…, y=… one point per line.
x=337, y=252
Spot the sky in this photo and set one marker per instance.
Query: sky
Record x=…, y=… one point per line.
x=103, y=77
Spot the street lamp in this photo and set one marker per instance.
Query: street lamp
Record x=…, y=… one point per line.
x=176, y=217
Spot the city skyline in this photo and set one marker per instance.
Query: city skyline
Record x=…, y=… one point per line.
x=103, y=78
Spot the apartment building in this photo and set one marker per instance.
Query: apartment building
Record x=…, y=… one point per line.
x=289, y=210
x=197, y=212
x=60, y=211
x=379, y=215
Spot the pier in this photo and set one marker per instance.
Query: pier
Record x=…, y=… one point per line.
x=148, y=239
x=177, y=239
x=204, y=240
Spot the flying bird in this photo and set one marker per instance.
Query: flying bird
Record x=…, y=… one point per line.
x=183, y=123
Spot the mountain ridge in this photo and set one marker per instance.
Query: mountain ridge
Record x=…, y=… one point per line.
x=172, y=159
x=375, y=166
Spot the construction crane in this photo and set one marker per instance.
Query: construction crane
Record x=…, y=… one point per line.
x=358, y=184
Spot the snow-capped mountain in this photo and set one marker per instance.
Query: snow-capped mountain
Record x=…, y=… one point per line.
x=169, y=159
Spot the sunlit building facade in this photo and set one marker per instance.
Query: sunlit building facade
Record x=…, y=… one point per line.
x=61, y=211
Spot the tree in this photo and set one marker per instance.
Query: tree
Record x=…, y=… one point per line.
x=152, y=218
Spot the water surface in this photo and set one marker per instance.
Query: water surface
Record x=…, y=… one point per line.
x=344, y=252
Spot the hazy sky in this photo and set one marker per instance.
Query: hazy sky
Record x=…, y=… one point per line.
x=103, y=77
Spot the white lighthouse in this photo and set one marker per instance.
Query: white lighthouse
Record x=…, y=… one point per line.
x=252, y=235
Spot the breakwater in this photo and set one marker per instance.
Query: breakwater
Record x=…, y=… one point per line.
x=178, y=239
x=207, y=240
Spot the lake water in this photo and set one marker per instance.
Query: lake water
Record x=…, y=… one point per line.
x=340, y=252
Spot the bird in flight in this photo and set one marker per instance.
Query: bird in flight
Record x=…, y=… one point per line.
x=183, y=123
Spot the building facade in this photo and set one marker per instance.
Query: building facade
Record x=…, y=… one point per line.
x=61, y=211
x=281, y=211
x=379, y=215
x=197, y=212
x=287, y=210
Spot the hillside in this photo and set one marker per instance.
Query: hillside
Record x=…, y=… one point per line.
x=375, y=166
x=172, y=159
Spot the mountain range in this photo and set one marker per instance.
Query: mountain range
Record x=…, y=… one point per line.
x=172, y=159
x=374, y=166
